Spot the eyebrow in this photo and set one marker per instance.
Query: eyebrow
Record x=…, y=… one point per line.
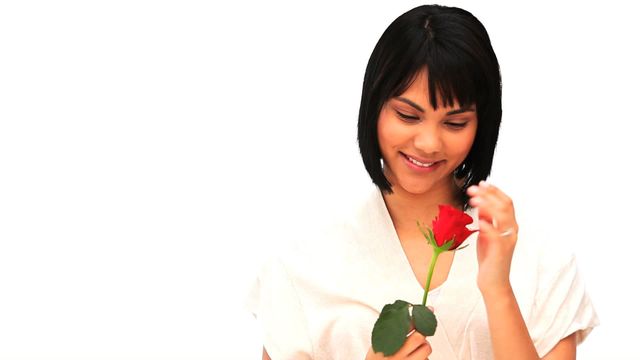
x=452, y=112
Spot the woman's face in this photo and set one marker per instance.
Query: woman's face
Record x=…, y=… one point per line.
x=439, y=139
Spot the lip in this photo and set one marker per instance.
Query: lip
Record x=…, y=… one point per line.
x=422, y=169
x=422, y=160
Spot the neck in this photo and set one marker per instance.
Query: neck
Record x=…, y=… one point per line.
x=405, y=207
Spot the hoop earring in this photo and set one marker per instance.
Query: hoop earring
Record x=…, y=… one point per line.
x=458, y=182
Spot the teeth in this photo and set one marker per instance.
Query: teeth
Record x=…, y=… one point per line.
x=419, y=163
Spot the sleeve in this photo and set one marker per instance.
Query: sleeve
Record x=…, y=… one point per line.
x=561, y=305
x=274, y=302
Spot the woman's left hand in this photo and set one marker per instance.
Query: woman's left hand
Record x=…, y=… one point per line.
x=496, y=239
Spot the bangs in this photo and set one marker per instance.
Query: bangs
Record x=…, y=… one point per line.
x=455, y=50
x=452, y=76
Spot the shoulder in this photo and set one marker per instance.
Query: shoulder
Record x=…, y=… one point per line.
x=556, y=303
x=336, y=228
x=332, y=249
x=540, y=264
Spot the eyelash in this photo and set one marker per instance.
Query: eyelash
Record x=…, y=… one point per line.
x=456, y=126
x=406, y=117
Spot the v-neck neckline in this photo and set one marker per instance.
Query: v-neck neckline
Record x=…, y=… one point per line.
x=458, y=296
x=399, y=258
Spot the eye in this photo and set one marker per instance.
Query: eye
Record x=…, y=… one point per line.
x=407, y=117
x=456, y=125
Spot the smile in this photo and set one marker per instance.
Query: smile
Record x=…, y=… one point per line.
x=417, y=165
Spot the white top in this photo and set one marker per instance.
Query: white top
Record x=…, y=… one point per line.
x=321, y=298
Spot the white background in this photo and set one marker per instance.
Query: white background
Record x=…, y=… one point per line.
x=151, y=153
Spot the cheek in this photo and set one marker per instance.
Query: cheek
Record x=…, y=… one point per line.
x=470, y=137
x=387, y=135
x=462, y=143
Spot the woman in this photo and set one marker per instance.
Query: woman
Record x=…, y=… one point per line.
x=430, y=112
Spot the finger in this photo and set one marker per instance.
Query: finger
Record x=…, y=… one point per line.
x=490, y=188
x=413, y=342
x=496, y=196
x=501, y=203
x=489, y=192
x=491, y=211
x=421, y=352
x=487, y=229
x=495, y=209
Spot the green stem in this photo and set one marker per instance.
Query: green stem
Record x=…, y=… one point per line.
x=434, y=257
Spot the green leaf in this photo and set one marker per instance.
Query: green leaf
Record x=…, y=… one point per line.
x=391, y=329
x=422, y=230
x=397, y=305
x=432, y=238
x=424, y=320
x=428, y=236
x=461, y=247
x=446, y=246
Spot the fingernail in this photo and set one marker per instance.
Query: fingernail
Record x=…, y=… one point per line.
x=475, y=201
x=472, y=189
x=484, y=184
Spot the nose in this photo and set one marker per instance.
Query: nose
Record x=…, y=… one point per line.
x=428, y=139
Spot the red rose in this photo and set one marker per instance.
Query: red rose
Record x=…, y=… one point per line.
x=451, y=223
x=448, y=232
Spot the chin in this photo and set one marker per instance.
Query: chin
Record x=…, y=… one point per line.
x=416, y=189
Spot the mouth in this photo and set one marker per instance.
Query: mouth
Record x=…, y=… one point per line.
x=421, y=165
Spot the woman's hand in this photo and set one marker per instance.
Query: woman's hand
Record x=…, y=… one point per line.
x=496, y=239
x=416, y=347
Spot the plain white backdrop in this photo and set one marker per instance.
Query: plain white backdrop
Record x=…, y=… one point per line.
x=152, y=152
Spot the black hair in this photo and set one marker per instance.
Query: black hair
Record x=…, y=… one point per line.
x=455, y=49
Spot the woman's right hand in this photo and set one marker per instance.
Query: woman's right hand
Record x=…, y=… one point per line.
x=416, y=347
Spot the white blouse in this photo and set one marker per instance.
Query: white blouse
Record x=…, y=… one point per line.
x=321, y=298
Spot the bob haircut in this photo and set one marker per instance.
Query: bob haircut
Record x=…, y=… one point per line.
x=455, y=49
